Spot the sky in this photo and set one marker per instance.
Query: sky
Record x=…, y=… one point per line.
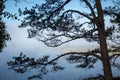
x=22, y=43
x=19, y=35
x=33, y=48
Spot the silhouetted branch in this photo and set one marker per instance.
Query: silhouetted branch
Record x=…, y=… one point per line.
x=70, y=38
x=114, y=55
x=113, y=59
x=90, y=7
x=99, y=77
x=86, y=60
x=58, y=9
x=21, y=64
x=80, y=13
x=84, y=53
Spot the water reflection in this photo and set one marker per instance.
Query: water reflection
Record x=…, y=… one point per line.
x=44, y=65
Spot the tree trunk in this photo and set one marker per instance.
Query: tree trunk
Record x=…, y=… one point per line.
x=102, y=38
x=104, y=54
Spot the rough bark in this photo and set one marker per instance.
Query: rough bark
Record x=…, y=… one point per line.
x=103, y=44
x=104, y=55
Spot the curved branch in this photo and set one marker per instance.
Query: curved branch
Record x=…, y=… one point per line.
x=80, y=13
x=66, y=2
x=90, y=7
x=113, y=58
x=114, y=55
x=71, y=38
x=85, y=53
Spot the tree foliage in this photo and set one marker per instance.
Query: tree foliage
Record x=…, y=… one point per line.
x=54, y=25
x=22, y=64
x=4, y=36
x=44, y=65
x=114, y=12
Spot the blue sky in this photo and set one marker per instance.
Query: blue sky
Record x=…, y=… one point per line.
x=32, y=47
x=19, y=35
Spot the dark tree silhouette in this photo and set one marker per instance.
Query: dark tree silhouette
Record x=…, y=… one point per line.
x=54, y=25
x=4, y=36
x=22, y=64
x=114, y=12
x=44, y=65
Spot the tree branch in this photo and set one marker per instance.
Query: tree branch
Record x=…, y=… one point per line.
x=85, y=53
x=90, y=7
x=80, y=13
x=69, y=36
x=114, y=55
x=66, y=2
